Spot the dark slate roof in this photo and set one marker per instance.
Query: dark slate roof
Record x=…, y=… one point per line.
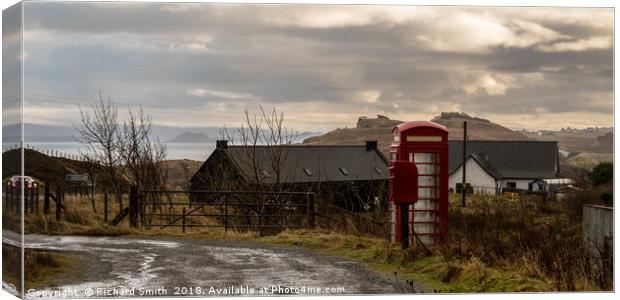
x=324, y=163
x=485, y=164
x=509, y=159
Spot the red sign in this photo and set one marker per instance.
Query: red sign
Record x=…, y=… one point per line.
x=403, y=182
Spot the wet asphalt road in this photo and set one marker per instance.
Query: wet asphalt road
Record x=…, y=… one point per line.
x=124, y=264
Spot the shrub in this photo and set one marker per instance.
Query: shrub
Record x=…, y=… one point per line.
x=602, y=173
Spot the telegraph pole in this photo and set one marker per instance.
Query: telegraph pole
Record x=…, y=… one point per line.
x=464, y=165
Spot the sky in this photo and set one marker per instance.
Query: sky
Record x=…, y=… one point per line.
x=323, y=66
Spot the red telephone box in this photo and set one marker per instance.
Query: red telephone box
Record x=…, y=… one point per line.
x=419, y=182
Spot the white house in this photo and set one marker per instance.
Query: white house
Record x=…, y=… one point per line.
x=493, y=166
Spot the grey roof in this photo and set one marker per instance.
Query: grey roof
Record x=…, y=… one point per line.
x=324, y=163
x=509, y=159
x=485, y=164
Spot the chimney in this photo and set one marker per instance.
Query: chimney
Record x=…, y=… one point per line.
x=221, y=144
x=371, y=145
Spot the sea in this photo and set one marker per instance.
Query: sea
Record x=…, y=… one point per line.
x=192, y=151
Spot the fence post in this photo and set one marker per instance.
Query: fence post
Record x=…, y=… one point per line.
x=26, y=199
x=33, y=192
x=58, y=202
x=9, y=198
x=36, y=199
x=133, y=207
x=226, y=212
x=5, y=199
x=105, y=206
x=12, y=201
x=183, y=219
x=46, y=199
x=310, y=215
x=31, y=200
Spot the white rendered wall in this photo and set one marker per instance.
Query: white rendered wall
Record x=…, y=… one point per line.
x=477, y=177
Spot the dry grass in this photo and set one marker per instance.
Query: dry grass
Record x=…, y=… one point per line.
x=78, y=219
x=432, y=271
x=495, y=244
x=526, y=236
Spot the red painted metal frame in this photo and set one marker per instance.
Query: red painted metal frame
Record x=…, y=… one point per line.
x=401, y=149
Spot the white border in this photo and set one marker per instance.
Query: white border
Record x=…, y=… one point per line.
x=558, y=3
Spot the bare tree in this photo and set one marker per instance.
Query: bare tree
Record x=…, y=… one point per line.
x=97, y=130
x=142, y=157
x=127, y=152
x=262, y=143
x=92, y=172
x=186, y=173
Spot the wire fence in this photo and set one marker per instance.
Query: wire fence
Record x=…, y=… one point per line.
x=46, y=151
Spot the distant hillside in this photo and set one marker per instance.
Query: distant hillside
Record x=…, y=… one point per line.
x=38, y=133
x=376, y=129
x=42, y=167
x=599, y=140
x=191, y=137
x=179, y=171
x=55, y=133
x=589, y=158
x=380, y=129
x=477, y=128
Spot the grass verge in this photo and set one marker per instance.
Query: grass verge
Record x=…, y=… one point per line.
x=433, y=271
x=41, y=267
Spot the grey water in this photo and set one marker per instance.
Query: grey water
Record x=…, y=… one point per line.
x=192, y=151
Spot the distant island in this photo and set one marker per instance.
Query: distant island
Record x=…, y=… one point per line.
x=192, y=137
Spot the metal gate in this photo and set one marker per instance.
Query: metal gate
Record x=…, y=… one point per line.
x=249, y=210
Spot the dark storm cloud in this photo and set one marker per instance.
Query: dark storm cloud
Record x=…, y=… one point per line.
x=340, y=61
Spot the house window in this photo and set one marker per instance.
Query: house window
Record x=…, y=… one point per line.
x=397, y=138
x=468, y=188
x=308, y=172
x=393, y=156
x=511, y=184
x=344, y=171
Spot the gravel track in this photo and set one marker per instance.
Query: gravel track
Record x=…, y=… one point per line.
x=116, y=265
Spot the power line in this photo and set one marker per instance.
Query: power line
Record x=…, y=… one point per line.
x=78, y=100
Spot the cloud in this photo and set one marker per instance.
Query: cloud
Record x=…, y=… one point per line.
x=369, y=96
x=221, y=94
x=323, y=65
x=593, y=43
x=476, y=33
x=492, y=85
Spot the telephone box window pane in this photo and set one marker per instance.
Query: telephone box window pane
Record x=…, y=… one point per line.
x=426, y=169
x=425, y=157
x=427, y=181
x=427, y=192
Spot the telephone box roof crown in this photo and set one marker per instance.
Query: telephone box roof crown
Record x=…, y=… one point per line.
x=410, y=125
